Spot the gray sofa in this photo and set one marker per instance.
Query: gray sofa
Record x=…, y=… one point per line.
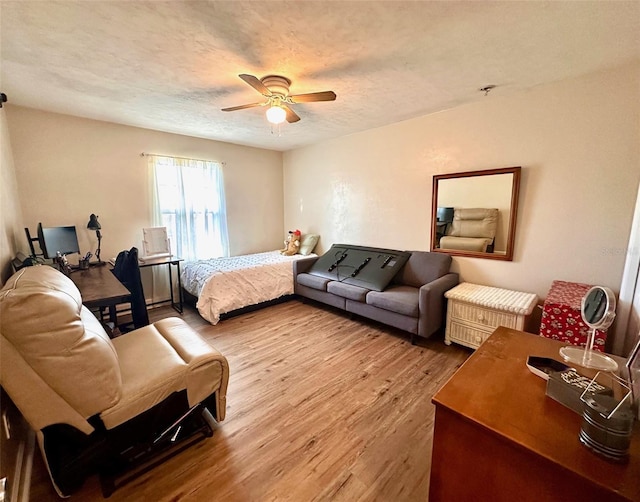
x=413, y=301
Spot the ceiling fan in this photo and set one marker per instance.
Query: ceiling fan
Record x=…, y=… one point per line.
x=276, y=89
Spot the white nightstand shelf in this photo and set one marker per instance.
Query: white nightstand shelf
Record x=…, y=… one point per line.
x=474, y=312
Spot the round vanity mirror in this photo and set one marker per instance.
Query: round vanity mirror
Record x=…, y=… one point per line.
x=598, y=312
x=599, y=308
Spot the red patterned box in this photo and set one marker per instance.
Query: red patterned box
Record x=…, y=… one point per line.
x=561, y=315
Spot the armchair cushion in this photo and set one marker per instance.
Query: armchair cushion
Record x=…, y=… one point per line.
x=42, y=317
x=474, y=222
x=478, y=244
x=151, y=370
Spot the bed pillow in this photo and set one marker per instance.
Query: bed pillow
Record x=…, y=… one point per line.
x=308, y=243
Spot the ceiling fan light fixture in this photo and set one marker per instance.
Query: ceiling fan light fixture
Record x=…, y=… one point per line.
x=275, y=88
x=276, y=114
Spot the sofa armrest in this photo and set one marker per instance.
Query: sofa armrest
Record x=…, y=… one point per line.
x=431, y=303
x=303, y=265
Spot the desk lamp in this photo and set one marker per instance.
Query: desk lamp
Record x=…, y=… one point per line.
x=94, y=224
x=445, y=214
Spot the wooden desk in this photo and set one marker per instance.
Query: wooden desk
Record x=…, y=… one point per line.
x=498, y=437
x=100, y=288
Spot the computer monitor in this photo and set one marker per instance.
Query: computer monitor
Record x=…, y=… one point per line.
x=58, y=239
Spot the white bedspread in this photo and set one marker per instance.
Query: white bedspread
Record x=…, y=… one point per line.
x=225, y=284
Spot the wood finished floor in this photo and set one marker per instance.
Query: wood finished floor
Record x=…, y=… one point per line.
x=320, y=407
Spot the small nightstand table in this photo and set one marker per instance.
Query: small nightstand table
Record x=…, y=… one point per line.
x=169, y=262
x=474, y=312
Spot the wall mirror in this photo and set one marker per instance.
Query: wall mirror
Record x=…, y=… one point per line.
x=474, y=213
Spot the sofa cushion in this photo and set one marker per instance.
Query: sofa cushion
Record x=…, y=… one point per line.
x=422, y=268
x=313, y=281
x=400, y=299
x=347, y=291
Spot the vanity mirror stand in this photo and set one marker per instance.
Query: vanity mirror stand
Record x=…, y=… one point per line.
x=598, y=311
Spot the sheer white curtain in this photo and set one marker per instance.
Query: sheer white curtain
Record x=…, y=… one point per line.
x=189, y=200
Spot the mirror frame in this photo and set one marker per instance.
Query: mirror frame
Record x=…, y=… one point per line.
x=515, y=191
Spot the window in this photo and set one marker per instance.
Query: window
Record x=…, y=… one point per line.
x=189, y=200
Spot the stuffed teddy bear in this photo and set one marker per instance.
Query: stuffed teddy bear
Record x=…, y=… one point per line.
x=292, y=244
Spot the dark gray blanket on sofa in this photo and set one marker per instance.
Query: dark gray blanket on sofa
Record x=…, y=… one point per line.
x=367, y=267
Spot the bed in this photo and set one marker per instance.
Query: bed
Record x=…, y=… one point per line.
x=223, y=285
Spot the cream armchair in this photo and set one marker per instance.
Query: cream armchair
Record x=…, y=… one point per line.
x=100, y=405
x=472, y=229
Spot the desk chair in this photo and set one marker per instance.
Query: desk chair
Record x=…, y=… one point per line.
x=127, y=270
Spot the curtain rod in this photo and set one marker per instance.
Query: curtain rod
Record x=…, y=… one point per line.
x=146, y=154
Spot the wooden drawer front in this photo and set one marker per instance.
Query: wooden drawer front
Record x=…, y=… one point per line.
x=482, y=316
x=466, y=335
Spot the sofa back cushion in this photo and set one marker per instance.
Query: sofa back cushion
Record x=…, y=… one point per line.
x=42, y=316
x=422, y=268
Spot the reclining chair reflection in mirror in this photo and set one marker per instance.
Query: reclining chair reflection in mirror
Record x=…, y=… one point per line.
x=472, y=229
x=99, y=406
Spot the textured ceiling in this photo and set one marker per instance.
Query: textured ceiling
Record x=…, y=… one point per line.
x=171, y=66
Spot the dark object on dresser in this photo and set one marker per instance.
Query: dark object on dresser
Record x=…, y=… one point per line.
x=567, y=388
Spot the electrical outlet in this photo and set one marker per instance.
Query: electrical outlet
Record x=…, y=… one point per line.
x=6, y=425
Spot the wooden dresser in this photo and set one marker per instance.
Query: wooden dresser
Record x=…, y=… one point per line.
x=498, y=437
x=474, y=311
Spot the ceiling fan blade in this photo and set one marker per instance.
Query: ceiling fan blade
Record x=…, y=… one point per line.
x=313, y=96
x=241, y=107
x=255, y=83
x=291, y=115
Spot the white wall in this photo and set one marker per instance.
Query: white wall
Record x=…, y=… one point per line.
x=69, y=167
x=11, y=227
x=576, y=140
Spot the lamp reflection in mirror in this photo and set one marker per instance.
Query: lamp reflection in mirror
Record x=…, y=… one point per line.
x=276, y=114
x=444, y=219
x=94, y=224
x=445, y=214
